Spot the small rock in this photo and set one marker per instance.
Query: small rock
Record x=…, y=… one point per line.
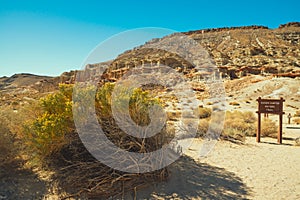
x=3, y=196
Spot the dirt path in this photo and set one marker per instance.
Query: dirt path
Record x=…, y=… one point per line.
x=271, y=171
x=251, y=171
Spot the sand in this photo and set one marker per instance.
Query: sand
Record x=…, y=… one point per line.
x=263, y=170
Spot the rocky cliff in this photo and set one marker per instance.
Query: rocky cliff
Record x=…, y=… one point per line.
x=236, y=51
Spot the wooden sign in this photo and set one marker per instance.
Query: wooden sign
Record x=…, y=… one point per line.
x=272, y=106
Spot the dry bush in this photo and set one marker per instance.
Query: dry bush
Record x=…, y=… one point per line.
x=269, y=128
x=242, y=121
x=239, y=124
x=234, y=103
x=297, y=114
x=296, y=120
x=7, y=146
x=297, y=141
x=15, y=119
x=202, y=127
x=245, y=124
x=53, y=138
x=11, y=131
x=174, y=115
x=204, y=112
x=139, y=104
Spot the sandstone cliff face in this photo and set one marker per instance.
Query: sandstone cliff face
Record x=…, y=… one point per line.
x=236, y=51
x=270, y=51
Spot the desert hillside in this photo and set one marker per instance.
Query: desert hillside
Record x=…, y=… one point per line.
x=42, y=156
x=236, y=51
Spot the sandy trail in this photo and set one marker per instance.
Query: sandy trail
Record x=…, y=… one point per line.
x=263, y=170
x=270, y=170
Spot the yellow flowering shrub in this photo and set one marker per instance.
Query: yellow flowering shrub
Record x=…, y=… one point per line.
x=136, y=101
x=46, y=134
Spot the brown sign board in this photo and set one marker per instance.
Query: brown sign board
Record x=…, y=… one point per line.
x=274, y=106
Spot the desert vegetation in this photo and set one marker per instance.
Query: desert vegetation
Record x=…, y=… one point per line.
x=204, y=112
x=46, y=134
x=50, y=140
x=255, y=62
x=296, y=119
x=7, y=146
x=234, y=103
x=238, y=125
x=297, y=141
x=297, y=114
x=46, y=130
x=12, y=131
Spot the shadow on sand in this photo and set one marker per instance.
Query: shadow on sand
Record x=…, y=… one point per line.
x=191, y=180
x=18, y=183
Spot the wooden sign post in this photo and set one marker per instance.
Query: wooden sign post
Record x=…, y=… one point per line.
x=272, y=106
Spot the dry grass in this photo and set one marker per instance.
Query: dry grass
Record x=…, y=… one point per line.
x=7, y=147
x=234, y=103
x=11, y=132
x=204, y=112
x=297, y=141
x=238, y=125
x=209, y=103
x=203, y=127
x=268, y=128
x=297, y=114
x=296, y=120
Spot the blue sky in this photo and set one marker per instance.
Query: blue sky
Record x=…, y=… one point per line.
x=50, y=37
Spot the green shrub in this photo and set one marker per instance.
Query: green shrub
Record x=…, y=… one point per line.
x=137, y=101
x=51, y=137
x=48, y=132
x=103, y=103
x=45, y=135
